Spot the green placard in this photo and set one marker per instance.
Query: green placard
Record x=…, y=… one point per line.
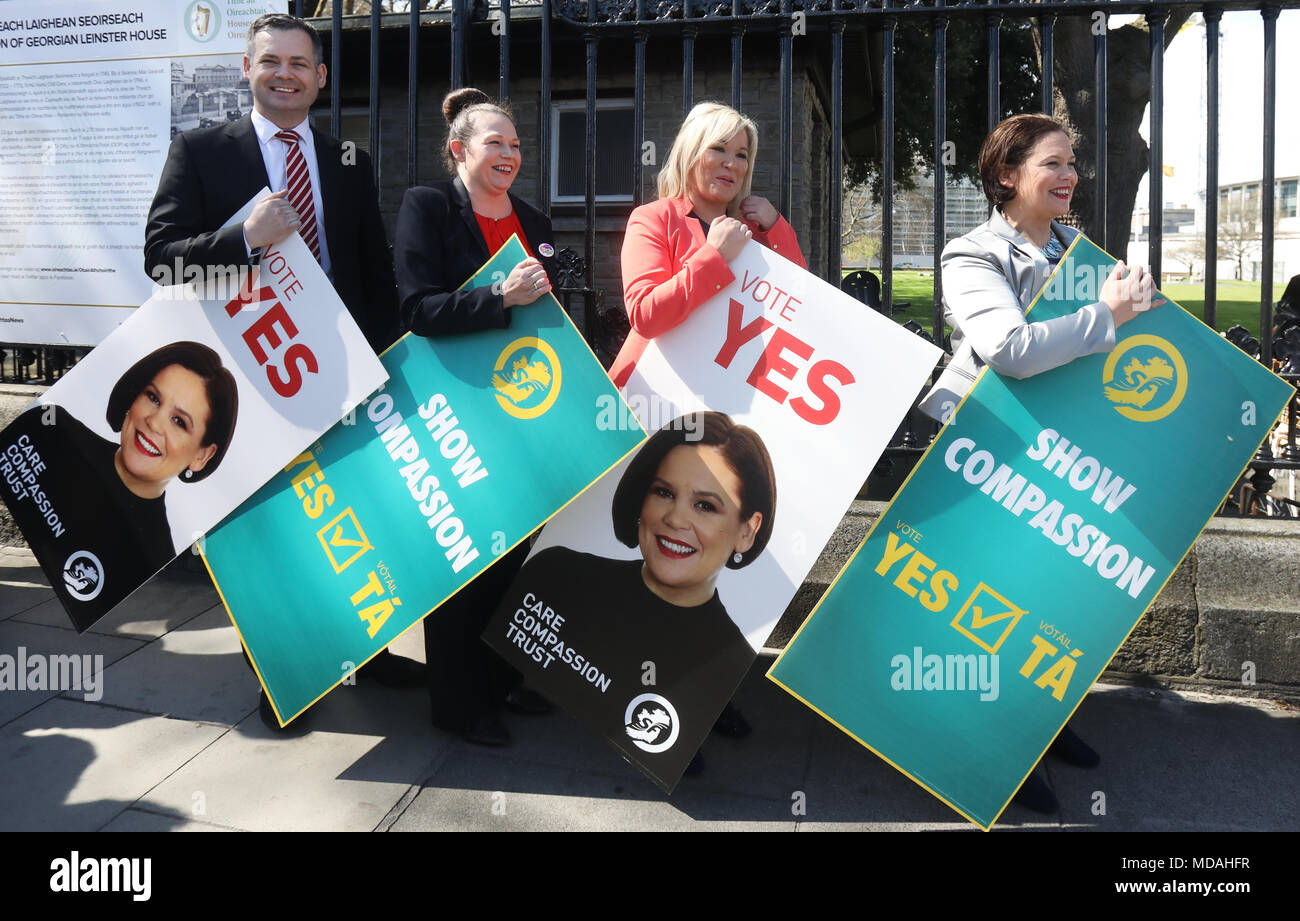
x=474, y=442
x=1024, y=547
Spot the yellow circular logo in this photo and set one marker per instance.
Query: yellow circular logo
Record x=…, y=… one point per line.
x=527, y=377
x=1145, y=378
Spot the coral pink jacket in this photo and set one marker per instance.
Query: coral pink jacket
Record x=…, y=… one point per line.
x=669, y=270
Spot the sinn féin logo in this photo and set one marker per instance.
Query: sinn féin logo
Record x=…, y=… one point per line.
x=202, y=20
x=651, y=723
x=1145, y=378
x=527, y=377
x=83, y=575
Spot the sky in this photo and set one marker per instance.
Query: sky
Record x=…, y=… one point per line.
x=1241, y=105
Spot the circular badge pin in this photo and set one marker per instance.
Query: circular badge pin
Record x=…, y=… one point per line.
x=546, y=249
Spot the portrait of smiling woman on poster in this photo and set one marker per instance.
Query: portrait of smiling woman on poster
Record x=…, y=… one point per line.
x=174, y=411
x=178, y=407
x=698, y=497
x=694, y=501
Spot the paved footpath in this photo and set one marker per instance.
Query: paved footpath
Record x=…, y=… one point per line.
x=175, y=744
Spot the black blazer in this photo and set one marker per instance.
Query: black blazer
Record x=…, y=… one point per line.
x=438, y=245
x=212, y=172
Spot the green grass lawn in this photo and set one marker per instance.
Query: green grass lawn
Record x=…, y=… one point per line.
x=1238, y=301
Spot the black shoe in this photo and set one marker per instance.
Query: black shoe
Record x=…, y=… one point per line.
x=1073, y=750
x=394, y=671
x=267, y=713
x=696, y=766
x=732, y=724
x=1036, y=796
x=488, y=730
x=529, y=703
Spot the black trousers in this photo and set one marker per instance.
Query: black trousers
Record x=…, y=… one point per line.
x=467, y=680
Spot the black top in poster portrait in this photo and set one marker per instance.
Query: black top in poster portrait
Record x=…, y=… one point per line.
x=652, y=670
x=93, y=510
x=648, y=679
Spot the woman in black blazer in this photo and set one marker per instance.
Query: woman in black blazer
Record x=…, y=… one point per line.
x=445, y=233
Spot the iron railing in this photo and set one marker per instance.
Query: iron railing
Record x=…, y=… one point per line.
x=684, y=23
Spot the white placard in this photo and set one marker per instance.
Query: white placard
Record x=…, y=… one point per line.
x=829, y=359
x=298, y=361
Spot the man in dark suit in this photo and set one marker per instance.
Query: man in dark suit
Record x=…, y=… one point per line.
x=211, y=172
x=323, y=190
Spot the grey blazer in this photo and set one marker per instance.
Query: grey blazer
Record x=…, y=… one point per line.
x=990, y=277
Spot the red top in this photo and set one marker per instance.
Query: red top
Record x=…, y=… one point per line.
x=496, y=231
x=669, y=270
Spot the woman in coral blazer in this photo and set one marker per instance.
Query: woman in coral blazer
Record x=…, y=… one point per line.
x=676, y=250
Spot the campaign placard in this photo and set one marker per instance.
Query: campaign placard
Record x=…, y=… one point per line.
x=91, y=94
x=1044, y=519
x=175, y=419
x=645, y=601
x=473, y=443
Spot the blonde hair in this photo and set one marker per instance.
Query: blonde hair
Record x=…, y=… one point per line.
x=707, y=124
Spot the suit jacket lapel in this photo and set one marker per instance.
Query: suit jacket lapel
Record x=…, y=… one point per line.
x=526, y=223
x=682, y=207
x=466, y=208
x=1065, y=234
x=249, y=150
x=330, y=168
x=538, y=231
x=1034, y=269
x=1002, y=227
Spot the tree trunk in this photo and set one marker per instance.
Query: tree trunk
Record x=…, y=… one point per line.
x=1128, y=91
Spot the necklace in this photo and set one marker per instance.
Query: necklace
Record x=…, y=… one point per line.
x=1052, y=249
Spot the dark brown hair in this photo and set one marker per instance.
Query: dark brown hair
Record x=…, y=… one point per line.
x=282, y=22
x=741, y=448
x=1007, y=147
x=459, y=107
x=218, y=385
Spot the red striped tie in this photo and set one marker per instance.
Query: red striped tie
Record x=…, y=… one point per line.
x=298, y=181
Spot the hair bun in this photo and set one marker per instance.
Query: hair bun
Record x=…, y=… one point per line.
x=457, y=100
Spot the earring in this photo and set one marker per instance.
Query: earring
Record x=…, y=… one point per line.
x=187, y=474
x=737, y=557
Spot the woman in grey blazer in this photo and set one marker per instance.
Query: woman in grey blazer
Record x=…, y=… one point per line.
x=991, y=276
